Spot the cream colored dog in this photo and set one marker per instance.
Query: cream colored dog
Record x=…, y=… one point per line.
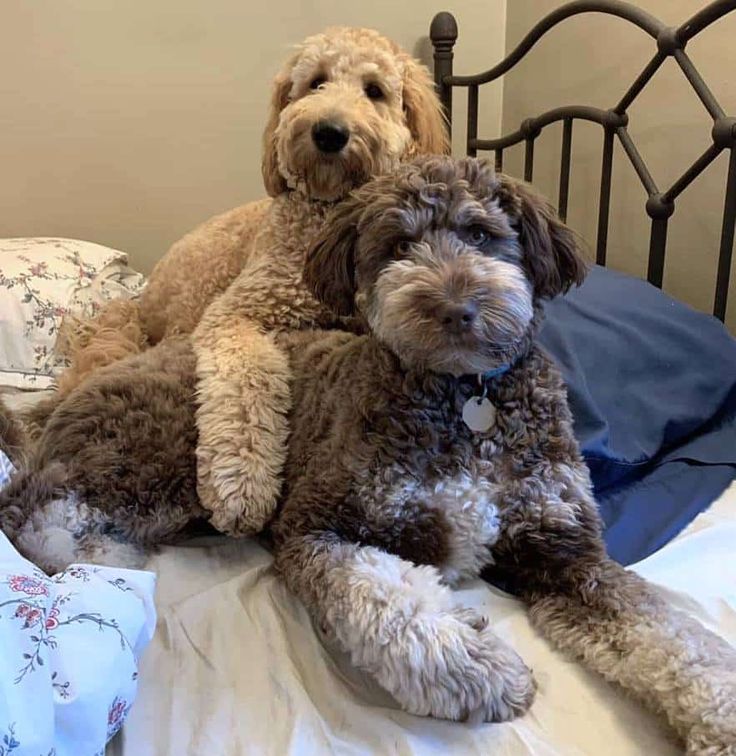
x=348, y=105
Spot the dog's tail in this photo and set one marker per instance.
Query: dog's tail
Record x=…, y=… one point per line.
x=618, y=625
x=49, y=523
x=29, y=507
x=114, y=333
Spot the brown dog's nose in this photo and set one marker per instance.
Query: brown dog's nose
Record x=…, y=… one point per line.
x=329, y=136
x=458, y=317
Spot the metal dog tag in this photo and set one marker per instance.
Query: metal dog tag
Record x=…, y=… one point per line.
x=479, y=414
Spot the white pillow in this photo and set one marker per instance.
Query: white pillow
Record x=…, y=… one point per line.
x=70, y=650
x=41, y=280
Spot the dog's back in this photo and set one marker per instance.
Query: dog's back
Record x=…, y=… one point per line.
x=116, y=459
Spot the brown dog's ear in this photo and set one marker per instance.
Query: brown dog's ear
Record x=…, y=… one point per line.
x=423, y=111
x=329, y=269
x=272, y=178
x=552, y=256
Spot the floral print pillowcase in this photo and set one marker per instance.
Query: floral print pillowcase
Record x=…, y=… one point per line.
x=70, y=649
x=41, y=280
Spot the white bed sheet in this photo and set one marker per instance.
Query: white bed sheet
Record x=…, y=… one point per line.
x=236, y=666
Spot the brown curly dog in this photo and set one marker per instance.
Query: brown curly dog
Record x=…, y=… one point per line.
x=441, y=444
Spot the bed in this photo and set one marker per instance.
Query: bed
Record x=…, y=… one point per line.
x=236, y=665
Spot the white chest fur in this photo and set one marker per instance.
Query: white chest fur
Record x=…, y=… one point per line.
x=468, y=504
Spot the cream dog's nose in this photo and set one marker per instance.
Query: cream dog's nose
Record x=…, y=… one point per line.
x=330, y=136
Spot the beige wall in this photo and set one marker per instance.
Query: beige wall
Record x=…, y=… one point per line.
x=592, y=60
x=127, y=123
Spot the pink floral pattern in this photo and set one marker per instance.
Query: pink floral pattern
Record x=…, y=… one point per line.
x=28, y=585
x=52, y=618
x=116, y=716
x=29, y=614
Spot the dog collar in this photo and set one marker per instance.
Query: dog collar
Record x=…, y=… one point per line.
x=479, y=414
x=493, y=373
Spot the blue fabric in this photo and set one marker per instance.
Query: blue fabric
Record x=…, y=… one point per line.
x=652, y=387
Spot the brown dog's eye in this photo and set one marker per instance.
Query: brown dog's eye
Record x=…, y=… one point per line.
x=317, y=82
x=402, y=248
x=373, y=91
x=476, y=235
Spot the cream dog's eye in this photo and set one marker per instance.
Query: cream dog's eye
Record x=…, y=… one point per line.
x=476, y=235
x=317, y=82
x=373, y=91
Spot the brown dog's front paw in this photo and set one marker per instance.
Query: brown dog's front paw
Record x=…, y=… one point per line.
x=463, y=670
x=507, y=684
x=714, y=731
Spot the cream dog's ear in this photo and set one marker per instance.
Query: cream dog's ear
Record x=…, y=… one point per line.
x=423, y=111
x=273, y=180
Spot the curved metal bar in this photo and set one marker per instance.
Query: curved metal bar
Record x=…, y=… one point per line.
x=703, y=18
x=648, y=23
x=533, y=125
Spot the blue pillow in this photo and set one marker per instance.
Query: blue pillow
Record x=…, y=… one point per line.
x=652, y=387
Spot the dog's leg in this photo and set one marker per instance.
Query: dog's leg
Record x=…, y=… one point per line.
x=398, y=622
x=619, y=626
x=243, y=399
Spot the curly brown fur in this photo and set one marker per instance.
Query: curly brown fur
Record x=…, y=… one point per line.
x=379, y=452
x=406, y=120
x=113, y=471
x=13, y=437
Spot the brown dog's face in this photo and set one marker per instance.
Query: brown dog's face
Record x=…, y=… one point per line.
x=348, y=106
x=446, y=261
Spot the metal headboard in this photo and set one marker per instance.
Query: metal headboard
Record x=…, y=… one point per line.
x=660, y=205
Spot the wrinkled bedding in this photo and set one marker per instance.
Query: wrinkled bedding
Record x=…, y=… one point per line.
x=236, y=666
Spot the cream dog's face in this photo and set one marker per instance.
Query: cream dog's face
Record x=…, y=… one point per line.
x=349, y=106
x=445, y=260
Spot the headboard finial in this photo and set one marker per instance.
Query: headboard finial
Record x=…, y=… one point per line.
x=443, y=29
x=443, y=34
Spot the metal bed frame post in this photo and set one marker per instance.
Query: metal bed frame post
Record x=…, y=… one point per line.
x=660, y=205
